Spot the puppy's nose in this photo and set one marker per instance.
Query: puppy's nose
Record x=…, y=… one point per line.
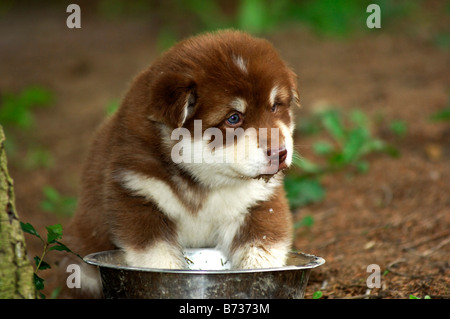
x=279, y=154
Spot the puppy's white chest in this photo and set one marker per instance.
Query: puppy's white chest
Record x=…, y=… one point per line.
x=211, y=226
x=215, y=224
x=222, y=211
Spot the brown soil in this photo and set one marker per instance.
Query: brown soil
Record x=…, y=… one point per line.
x=397, y=215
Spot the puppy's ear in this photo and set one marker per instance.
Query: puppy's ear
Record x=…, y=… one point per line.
x=172, y=98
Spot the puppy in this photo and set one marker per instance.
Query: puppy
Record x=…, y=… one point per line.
x=193, y=158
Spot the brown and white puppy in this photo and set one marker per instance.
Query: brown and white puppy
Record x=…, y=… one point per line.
x=162, y=174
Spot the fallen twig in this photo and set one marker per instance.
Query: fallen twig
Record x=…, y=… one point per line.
x=435, y=248
x=399, y=261
x=422, y=241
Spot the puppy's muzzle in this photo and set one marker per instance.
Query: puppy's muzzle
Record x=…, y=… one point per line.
x=278, y=156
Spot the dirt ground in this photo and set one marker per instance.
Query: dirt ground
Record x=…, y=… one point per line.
x=397, y=215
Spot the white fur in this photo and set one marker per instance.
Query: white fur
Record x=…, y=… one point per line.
x=160, y=255
x=239, y=105
x=215, y=165
x=288, y=140
x=224, y=166
x=273, y=95
x=185, y=113
x=229, y=191
x=240, y=63
x=219, y=218
x=90, y=279
x=260, y=255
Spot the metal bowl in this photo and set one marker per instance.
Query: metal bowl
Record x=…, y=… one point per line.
x=208, y=277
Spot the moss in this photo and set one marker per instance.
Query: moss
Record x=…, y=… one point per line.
x=16, y=272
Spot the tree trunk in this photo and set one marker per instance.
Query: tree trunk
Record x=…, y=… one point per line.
x=16, y=272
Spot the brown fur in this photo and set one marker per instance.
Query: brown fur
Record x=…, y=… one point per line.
x=108, y=216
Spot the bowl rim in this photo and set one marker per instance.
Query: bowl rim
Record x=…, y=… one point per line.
x=92, y=259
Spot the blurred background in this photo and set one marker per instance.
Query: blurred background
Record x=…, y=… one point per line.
x=370, y=182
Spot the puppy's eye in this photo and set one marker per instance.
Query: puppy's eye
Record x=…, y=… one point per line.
x=191, y=100
x=274, y=107
x=234, y=120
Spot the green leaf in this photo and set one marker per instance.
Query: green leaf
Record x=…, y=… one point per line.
x=28, y=228
x=54, y=202
x=443, y=115
x=362, y=166
x=42, y=264
x=51, y=194
x=16, y=109
x=60, y=247
x=307, y=221
x=166, y=38
x=333, y=124
x=399, y=128
x=335, y=159
x=252, y=15
x=36, y=96
x=37, y=157
x=359, y=118
x=69, y=204
x=306, y=165
x=54, y=232
x=391, y=151
x=47, y=206
x=413, y=297
x=112, y=107
x=55, y=293
x=323, y=148
x=38, y=282
x=354, y=145
x=317, y=294
x=303, y=191
x=374, y=145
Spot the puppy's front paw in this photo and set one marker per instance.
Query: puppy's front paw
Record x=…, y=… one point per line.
x=161, y=255
x=254, y=256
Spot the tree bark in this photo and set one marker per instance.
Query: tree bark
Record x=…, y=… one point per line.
x=16, y=272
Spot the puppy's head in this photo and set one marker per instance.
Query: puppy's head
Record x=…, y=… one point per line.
x=224, y=100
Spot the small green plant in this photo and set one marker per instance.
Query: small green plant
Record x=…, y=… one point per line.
x=112, y=107
x=441, y=116
x=317, y=294
x=399, y=128
x=54, y=202
x=16, y=114
x=16, y=109
x=414, y=297
x=302, y=190
x=349, y=142
x=307, y=222
x=37, y=157
x=51, y=242
x=258, y=16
